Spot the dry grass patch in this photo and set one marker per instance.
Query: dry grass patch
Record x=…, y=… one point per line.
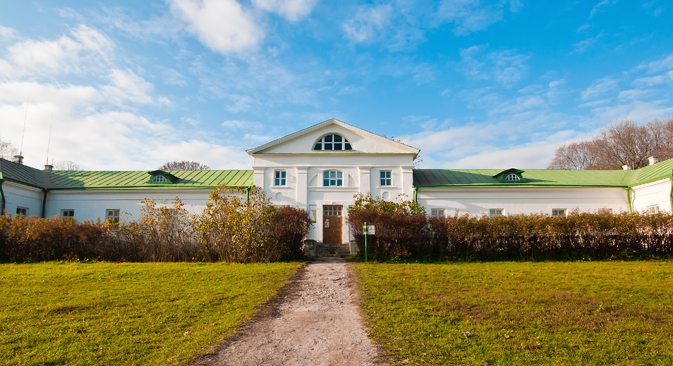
x=558, y=313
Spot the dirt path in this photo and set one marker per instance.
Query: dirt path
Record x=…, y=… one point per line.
x=317, y=324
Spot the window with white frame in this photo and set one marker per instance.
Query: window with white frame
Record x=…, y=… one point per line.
x=496, y=212
x=68, y=213
x=512, y=178
x=332, y=142
x=112, y=214
x=280, y=178
x=559, y=212
x=437, y=212
x=386, y=178
x=332, y=178
x=159, y=179
x=652, y=209
x=22, y=211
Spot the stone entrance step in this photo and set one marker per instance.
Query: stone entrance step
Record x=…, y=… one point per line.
x=332, y=250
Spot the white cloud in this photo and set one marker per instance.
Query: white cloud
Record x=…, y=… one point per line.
x=471, y=16
x=635, y=110
x=600, y=87
x=652, y=80
x=505, y=67
x=663, y=64
x=126, y=86
x=368, y=23
x=222, y=25
x=598, y=6
x=292, y=10
x=85, y=49
x=7, y=33
x=635, y=94
x=243, y=125
x=582, y=46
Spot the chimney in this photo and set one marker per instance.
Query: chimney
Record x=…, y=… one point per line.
x=653, y=160
x=626, y=167
x=48, y=167
x=18, y=159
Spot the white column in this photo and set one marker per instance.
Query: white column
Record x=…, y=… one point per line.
x=302, y=187
x=408, y=181
x=258, y=177
x=365, y=179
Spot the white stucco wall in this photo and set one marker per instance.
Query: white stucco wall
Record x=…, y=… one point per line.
x=655, y=193
x=304, y=174
x=522, y=200
x=91, y=204
x=19, y=195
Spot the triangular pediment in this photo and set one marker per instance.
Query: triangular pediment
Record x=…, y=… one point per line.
x=361, y=141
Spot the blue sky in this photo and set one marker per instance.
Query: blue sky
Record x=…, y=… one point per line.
x=473, y=84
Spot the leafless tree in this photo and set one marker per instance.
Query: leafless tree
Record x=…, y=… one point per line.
x=184, y=165
x=66, y=165
x=575, y=156
x=621, y=143
x=7, y=150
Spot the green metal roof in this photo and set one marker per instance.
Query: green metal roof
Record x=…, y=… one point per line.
x=64, y=179
x=543, y=177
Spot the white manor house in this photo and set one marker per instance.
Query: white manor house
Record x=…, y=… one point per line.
x=322, y=167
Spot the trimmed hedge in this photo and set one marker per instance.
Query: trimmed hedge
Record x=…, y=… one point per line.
x=231, y=229
x=403, y=233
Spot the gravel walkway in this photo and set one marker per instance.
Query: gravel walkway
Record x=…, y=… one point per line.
x=317, y=324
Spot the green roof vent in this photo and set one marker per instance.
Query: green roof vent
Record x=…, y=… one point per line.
x=510, y=175
x=162, y=177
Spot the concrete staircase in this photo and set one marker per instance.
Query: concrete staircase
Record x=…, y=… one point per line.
x=332, y=250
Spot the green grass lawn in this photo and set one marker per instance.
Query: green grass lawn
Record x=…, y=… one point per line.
x=558, y=313
x=130, y=313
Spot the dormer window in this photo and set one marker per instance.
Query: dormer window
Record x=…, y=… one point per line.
x=159, y=179
x=512, y=178
x=332, y=142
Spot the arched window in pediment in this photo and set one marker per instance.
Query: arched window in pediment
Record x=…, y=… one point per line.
x=332, y=142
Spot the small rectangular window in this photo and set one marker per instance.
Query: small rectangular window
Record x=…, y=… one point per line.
x=437, y=212
x=68, y=213
x=496, y=212
x=652, y=209
x=280, y=178
x=22, y=211
x=112, y=215
x=558, y=212
x=386, y=178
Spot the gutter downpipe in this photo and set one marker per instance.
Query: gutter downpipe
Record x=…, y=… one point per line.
x=2, y=194
x=416, y=194
x=44, y=201
x=247, y=195
x=628, y=196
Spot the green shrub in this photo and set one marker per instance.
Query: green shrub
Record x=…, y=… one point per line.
x=233, y=228
x=404, y=231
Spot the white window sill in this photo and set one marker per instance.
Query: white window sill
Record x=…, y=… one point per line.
x=385, y=187
x=281, y=187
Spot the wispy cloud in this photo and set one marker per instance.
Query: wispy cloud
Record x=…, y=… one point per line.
x=583, y=45
x=368, y=23
x=598, y=7
x=292, y=10
x=471, y=15
x=505, y=67
x=600, y=87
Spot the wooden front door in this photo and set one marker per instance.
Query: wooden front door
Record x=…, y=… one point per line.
x=331, y=227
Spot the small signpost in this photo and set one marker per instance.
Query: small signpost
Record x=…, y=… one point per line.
x=369, y=230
